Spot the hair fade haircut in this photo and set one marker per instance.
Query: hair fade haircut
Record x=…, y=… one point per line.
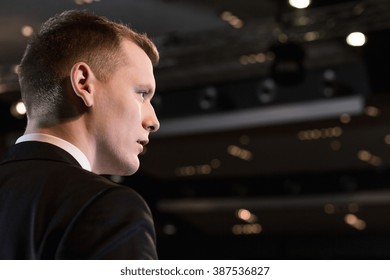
x=63, y=40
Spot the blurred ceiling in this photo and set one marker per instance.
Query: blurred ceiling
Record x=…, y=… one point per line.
x=202, y=41
x=255, y=99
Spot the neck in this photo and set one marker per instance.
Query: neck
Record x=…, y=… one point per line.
x=73, y=132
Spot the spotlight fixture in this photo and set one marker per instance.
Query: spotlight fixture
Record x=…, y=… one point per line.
x=233, y=20
x=356, y=39
x=18, y=110
x=299, y=4
x=27, y=30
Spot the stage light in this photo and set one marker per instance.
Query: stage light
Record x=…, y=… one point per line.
x=372, y=111
x=247, y=229
x=329, y=209
x=299, y=4
x=356, y=39
x=240, y=153
x=226, y=16
x=18, y=110
x=233, y=20
x=192, y=170
x=244, y=214
x=311, y=36
x=355, y=222
x=315, y=134
x=335, y=145
x=27, y=30
x=345, y=118
x=253, y=58
x=350, y=219
x=170, y=229
x=387, y=139
x=368, y=157
x=364, y=155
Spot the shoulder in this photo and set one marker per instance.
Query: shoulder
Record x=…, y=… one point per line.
x=100, y=190
x=115, y=224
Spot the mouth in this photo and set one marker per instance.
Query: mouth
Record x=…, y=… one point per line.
x=143, y=142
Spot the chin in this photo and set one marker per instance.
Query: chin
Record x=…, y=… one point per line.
x=131, y=168
x=131, y=171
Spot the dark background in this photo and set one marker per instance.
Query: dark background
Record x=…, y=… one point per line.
x=263, y=107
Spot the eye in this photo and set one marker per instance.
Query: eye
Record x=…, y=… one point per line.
x=143, y=94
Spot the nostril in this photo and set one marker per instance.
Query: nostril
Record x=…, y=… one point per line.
x=151, y=128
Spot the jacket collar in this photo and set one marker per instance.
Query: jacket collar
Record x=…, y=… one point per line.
x=38, y=150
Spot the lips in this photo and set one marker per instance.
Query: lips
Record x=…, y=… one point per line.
x=143, y=142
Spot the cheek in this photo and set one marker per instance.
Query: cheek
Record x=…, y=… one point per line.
x=129, y=122
x=123, y=113
x=133, y=114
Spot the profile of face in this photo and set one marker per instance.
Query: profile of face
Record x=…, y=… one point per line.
x=123, y=114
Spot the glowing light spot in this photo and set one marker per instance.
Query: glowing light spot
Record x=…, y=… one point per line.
x=372, y=111
x=335, y=145
x=247, y=229
x=239, y=152
x=345, y=118
x=356, y=39
x=18, y=109
x=387, y=139
x=311, y=36
x=364, y=155
x=244, y=214
x=355, y=222
x=27, y=31
x=329, y=209
x=299, y=4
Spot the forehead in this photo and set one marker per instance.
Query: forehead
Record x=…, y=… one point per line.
x=135, y=55
x=137, y=61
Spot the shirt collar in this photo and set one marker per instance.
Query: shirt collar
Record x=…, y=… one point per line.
x=61, y=143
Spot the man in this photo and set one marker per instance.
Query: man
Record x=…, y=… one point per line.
x=87, y=84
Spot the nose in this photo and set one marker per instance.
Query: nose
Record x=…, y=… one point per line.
x=150, y=122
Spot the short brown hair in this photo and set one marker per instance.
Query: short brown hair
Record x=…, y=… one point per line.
x=65, y=39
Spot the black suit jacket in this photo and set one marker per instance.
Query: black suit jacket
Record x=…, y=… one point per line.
x=51, y=208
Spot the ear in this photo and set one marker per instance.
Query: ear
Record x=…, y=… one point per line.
x=83, y=82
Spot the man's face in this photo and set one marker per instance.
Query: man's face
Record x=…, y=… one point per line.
x=124, y=114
